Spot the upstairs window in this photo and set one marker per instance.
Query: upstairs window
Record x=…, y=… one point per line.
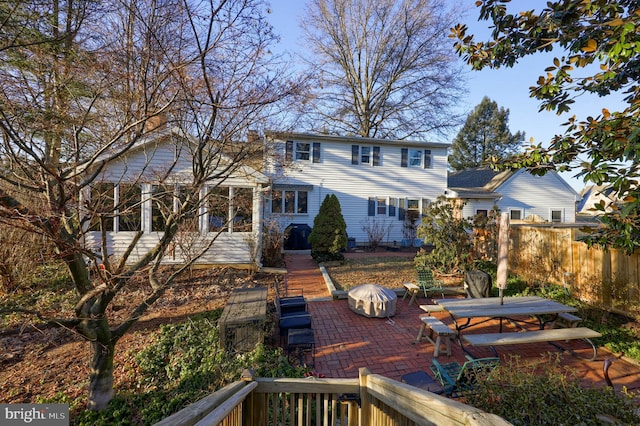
x=418, y=158
x=515, y=214
x=365, y=155
x=556, y=216
x=302, y=151
x=415, y=158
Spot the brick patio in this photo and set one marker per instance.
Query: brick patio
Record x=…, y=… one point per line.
x=346, y=341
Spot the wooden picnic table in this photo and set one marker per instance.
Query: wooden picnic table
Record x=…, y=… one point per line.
x=512, y=309
x=243, y=317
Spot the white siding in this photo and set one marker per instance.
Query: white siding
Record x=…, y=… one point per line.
x=229, y=248
x=147, y=165
x=354, y=184
x=538, y=195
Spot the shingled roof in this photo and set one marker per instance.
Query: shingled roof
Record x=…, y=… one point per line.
x=477, y=182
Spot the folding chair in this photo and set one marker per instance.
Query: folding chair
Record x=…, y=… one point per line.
x=457, y=379
x=428, y=283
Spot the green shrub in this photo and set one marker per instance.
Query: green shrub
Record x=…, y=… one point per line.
x=184, y=364
x=328, y=237
x=544, y=393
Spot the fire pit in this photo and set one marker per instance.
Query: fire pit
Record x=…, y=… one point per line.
x=373, y=301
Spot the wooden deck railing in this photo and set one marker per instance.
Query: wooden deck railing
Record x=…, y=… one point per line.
x=370, y=400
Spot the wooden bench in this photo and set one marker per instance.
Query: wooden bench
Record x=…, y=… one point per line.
x=567, y=320
x=536, y=336
x=432, y=308
x=410, y=289
x=440, y=329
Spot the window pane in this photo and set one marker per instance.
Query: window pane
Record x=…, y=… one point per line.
x=302, y=201
x=413, y=209
x=365, y=156
x=101, y=207
x=129, y=207
x=556, y=216
x=218, y=208
x=303, y=151
x=276, y=202
x=415, y=158
x=483, y=213
x=243, y=209
x=189, y=220
x=289, y=201
x=515, y=214
x=382, y=206
x=162, y=206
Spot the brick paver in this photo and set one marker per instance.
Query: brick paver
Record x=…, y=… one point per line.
x=346, y=341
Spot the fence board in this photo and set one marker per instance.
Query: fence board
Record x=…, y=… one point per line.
x=551, y=254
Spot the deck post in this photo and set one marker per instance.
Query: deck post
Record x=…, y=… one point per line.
x=365, y=401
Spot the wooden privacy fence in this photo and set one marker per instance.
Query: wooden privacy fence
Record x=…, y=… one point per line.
x=369, y=400
x=551, y=254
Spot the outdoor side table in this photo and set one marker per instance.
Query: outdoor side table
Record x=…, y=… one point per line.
x=300, y=340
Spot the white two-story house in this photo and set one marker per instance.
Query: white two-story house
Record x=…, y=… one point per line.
x=379, y=183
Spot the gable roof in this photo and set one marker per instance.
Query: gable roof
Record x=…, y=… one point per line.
x=480, y=182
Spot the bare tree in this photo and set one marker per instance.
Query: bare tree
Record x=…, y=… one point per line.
x=383, y=68
x=84, y=83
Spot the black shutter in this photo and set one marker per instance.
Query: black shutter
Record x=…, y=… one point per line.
x=427, y=158
x=355, y=152
x=372, y=206
x=392, y=207
x=376, y=155
x=404, y=161
x=401, y=210
x=316, y=152
x=289, y=152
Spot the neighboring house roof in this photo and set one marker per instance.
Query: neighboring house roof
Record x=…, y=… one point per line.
x=479, y=182
x=483, y=182
x=592, y=195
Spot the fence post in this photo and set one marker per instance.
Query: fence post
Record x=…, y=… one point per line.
x=365, y=403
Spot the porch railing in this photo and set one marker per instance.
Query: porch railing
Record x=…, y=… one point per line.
x=369, y=400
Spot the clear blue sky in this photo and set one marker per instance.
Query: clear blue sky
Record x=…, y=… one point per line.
x=508, y=87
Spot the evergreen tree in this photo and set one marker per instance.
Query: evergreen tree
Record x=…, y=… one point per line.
x=484, y=135
x=329, y=235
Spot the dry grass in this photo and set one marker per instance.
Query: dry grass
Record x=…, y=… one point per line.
x=388, y=271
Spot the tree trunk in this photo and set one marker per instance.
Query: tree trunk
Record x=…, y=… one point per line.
x=101, y=378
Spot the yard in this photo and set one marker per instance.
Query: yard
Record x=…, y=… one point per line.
x=41, y=363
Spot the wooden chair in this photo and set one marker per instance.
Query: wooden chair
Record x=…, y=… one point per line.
x=428, y=283
x=457, y=379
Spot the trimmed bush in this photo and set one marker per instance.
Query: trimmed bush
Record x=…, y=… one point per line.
x=329, y=235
